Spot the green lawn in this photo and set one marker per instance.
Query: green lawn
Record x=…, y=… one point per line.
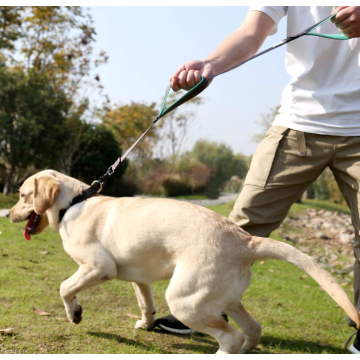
x=191, y=197
x=296, y=316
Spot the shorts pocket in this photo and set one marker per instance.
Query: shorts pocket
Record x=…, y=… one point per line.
x=264, y=155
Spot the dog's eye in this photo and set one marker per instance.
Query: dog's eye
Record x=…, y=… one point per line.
x=22, y=195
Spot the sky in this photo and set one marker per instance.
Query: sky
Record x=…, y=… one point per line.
x=147, y=44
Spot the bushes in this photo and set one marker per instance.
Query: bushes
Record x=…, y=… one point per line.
x=189, y=177
x=162, y=183
x=233, y=185
x=326, y=188
x=206, y=169
x=176, y=185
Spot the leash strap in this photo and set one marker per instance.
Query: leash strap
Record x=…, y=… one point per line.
x=308, y=31
x=196, y=90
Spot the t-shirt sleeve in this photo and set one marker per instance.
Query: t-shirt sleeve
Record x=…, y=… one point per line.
x=275, y=12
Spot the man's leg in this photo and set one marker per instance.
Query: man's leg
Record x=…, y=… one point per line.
x=346, y=169
x=269, y=192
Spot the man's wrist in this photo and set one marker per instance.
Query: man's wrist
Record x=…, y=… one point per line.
x=214, y=64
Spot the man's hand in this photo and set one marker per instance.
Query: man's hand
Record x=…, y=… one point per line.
x=348, y=20
x=238, y=46
x=188, y=74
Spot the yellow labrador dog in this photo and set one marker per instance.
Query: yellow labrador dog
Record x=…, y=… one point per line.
x=207, y=257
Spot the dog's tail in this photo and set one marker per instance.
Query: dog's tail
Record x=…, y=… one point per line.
x=264, y=248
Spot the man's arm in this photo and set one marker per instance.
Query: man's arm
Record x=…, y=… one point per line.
x=348, y=20
x=238, y=46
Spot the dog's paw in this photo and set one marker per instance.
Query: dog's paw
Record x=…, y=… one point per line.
x=141, y=324
x=77, y=315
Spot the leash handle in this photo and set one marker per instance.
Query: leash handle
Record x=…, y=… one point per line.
x=194, y=91
x=328, y=36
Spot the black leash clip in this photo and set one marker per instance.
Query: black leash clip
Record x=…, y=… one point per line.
x=102, y=179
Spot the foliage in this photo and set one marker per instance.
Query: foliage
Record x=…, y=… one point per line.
x=326, y=188
x=176, y=185
x=99, y=150
x=221, y=158
x=31, y=122
x=212, y=190
x=10, y=27
x=128, y=122
x=45, y=111
x=55, y=40
x=152, y=183
x=234, y=185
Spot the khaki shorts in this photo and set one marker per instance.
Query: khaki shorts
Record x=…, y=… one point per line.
x=284, y=165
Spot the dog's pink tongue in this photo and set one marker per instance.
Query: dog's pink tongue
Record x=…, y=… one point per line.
x=26, y=234
x=28, y=225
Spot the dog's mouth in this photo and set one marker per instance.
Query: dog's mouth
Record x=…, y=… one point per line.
x=31, y=226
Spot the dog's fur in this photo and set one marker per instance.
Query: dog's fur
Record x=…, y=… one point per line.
x=207, y=257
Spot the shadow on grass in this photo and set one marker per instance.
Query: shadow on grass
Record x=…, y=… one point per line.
x=196, y=349
x=210, y=347
x=197, y=336
x=270, y=344
x=121, y=340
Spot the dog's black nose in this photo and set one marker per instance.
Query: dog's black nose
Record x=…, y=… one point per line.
x=7, y=215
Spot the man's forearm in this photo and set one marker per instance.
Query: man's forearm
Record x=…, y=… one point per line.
x=243, y=43
x=239, y=46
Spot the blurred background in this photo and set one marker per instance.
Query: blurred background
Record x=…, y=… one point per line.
x=79, y=85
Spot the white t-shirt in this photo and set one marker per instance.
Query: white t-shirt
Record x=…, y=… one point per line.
x=323, y=96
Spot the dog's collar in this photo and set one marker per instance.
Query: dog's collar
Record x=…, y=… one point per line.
x=88, y=193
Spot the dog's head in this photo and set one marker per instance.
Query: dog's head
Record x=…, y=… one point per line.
x=37, y=196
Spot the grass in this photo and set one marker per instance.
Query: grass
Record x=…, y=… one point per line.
x=319, y=205
x=296, y=316
x=191, y=197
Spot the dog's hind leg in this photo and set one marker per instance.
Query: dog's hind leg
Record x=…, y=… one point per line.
x=146, y=303
x=230, y=340
x=250, y=327
x=84, y=278
x=200, y=309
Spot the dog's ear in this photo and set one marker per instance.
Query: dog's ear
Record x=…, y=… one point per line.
x=46, y=190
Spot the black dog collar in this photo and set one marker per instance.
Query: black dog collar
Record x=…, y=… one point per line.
x=88, y=193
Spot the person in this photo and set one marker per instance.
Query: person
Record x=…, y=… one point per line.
x=317, y=125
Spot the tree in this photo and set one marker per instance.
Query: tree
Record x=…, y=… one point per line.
x=102, y=149
x=31, y=123
x=221, y=159
x=43, y=88
x=10, y=27
x=128, y=122
x=55, y=40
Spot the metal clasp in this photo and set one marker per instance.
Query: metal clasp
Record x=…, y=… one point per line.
x=100, y=184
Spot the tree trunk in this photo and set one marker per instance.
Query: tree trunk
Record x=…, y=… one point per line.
x=9, y=181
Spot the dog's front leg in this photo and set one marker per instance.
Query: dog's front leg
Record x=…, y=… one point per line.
x=146, y=303
x=84, y=278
